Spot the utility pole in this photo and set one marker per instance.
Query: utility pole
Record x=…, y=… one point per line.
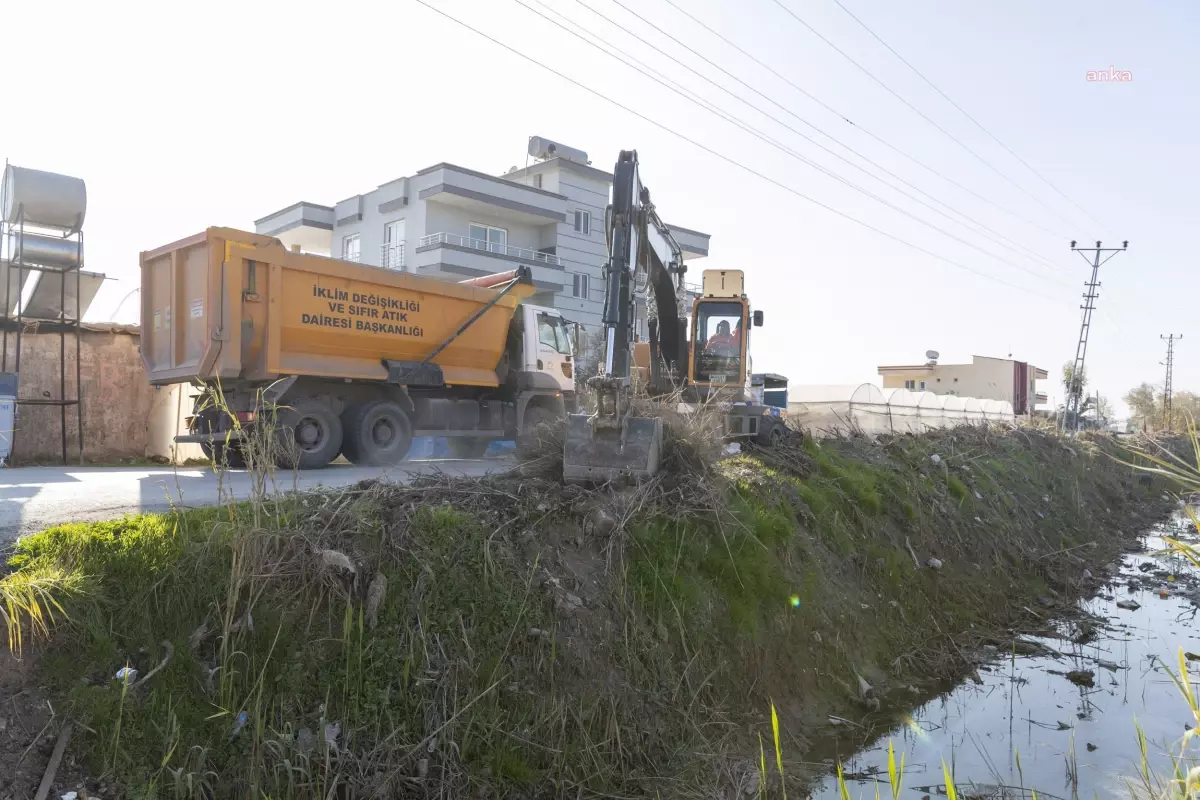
x=1075, y=386
x=1170, y=364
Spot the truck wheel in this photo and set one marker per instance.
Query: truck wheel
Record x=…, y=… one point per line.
x=377, y=434
x=529, y=441
x=309, y=435
x=772, y=436
x=467, y=446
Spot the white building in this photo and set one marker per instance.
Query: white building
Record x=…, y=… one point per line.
x=454, y=223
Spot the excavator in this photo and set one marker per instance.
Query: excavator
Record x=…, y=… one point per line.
x=699, y=353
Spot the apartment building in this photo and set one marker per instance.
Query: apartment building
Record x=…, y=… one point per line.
x=454, y=223
x=985, y=378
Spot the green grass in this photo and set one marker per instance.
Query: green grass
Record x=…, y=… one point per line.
x=482, y=665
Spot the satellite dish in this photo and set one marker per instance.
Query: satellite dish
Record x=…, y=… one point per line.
x=932, y=354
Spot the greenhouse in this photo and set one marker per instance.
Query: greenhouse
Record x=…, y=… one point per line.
x=865, y=408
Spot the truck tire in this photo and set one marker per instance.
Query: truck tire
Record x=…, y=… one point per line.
x=221, y=454
x=376, y=434
x=467, y=446
x=309, y=435
x=771, y=436
x=529, y=440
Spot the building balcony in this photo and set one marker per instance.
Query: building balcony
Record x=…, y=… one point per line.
x=451, y=256
x=1040, y=399
x=516, y=253
x=475, y=192
x=391, y=256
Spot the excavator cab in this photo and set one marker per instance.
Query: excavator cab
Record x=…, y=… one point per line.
x=720, y=339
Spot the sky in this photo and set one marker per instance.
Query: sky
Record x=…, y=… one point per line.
x=181, y=117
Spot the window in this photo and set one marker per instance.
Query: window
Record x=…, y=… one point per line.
x=485, y=237
x=393, y=245
x=537, y=181
x=580, y=289
x=922, y=386
x=719, y=327
x=910, y=384
x=552, y=332
x=583, y=222
x=351, y=247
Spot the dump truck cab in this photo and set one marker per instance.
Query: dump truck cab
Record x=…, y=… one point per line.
x=547, y=348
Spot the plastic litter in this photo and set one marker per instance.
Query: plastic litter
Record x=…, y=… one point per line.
x=1129, y=605
x=70, y=796
x=127, y=674
x=935, y=458
x=934, y=563
x=238, y=724
x=732, y=449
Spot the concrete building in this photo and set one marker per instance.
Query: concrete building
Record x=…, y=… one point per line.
x=453, y=223
x=985, y=378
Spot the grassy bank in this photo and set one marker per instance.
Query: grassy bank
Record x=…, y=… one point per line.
x=515, y=637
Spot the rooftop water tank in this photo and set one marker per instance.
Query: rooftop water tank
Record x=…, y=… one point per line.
x=48, y=200
x=540, y=147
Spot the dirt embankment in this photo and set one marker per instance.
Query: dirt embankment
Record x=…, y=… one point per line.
x=515, y=637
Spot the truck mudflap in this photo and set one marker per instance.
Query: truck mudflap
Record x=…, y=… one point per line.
x=597, y=453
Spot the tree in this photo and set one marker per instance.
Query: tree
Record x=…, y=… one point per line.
x=1143, y=405
x=1103, y=408
x=1067, y=370
x=1185, y=409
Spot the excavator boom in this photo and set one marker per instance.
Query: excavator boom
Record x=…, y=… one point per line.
x=613, y=442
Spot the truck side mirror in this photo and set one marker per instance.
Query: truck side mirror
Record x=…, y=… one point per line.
x=577, y=338
x=758, y=319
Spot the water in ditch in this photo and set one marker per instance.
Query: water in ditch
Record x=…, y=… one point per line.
x=1021, y=724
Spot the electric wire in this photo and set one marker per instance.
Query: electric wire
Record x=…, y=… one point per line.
x=730, y=160
x=856, y=125
x=963, y=111
x=809, y=162
x=917, y=111
x=996, y=237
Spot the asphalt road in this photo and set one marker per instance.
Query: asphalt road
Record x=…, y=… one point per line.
x=34, y=498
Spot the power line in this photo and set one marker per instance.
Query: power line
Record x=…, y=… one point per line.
x=995, y=238
x=962, y=111
x=854, y=124
x=727, y=159
x=916, y=110
x=783, y=148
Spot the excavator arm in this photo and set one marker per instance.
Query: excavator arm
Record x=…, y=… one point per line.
x=613, y=441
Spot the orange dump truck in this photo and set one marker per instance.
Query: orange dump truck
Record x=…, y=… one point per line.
x=355, y=359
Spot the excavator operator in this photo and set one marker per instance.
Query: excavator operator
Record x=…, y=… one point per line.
x=723, y=340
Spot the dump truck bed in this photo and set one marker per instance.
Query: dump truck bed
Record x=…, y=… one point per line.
x=226, y=304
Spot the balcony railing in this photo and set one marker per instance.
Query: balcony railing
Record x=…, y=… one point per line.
x=523, y=253
x=391, y=255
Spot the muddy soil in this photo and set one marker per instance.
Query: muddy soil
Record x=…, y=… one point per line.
x=29, y=728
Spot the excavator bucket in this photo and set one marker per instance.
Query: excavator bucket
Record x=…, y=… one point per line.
x=597, y=453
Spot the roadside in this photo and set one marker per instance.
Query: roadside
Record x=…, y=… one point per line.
x=34, y=498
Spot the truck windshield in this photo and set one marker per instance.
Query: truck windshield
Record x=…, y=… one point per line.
x=552, y=332
x=718, y=342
